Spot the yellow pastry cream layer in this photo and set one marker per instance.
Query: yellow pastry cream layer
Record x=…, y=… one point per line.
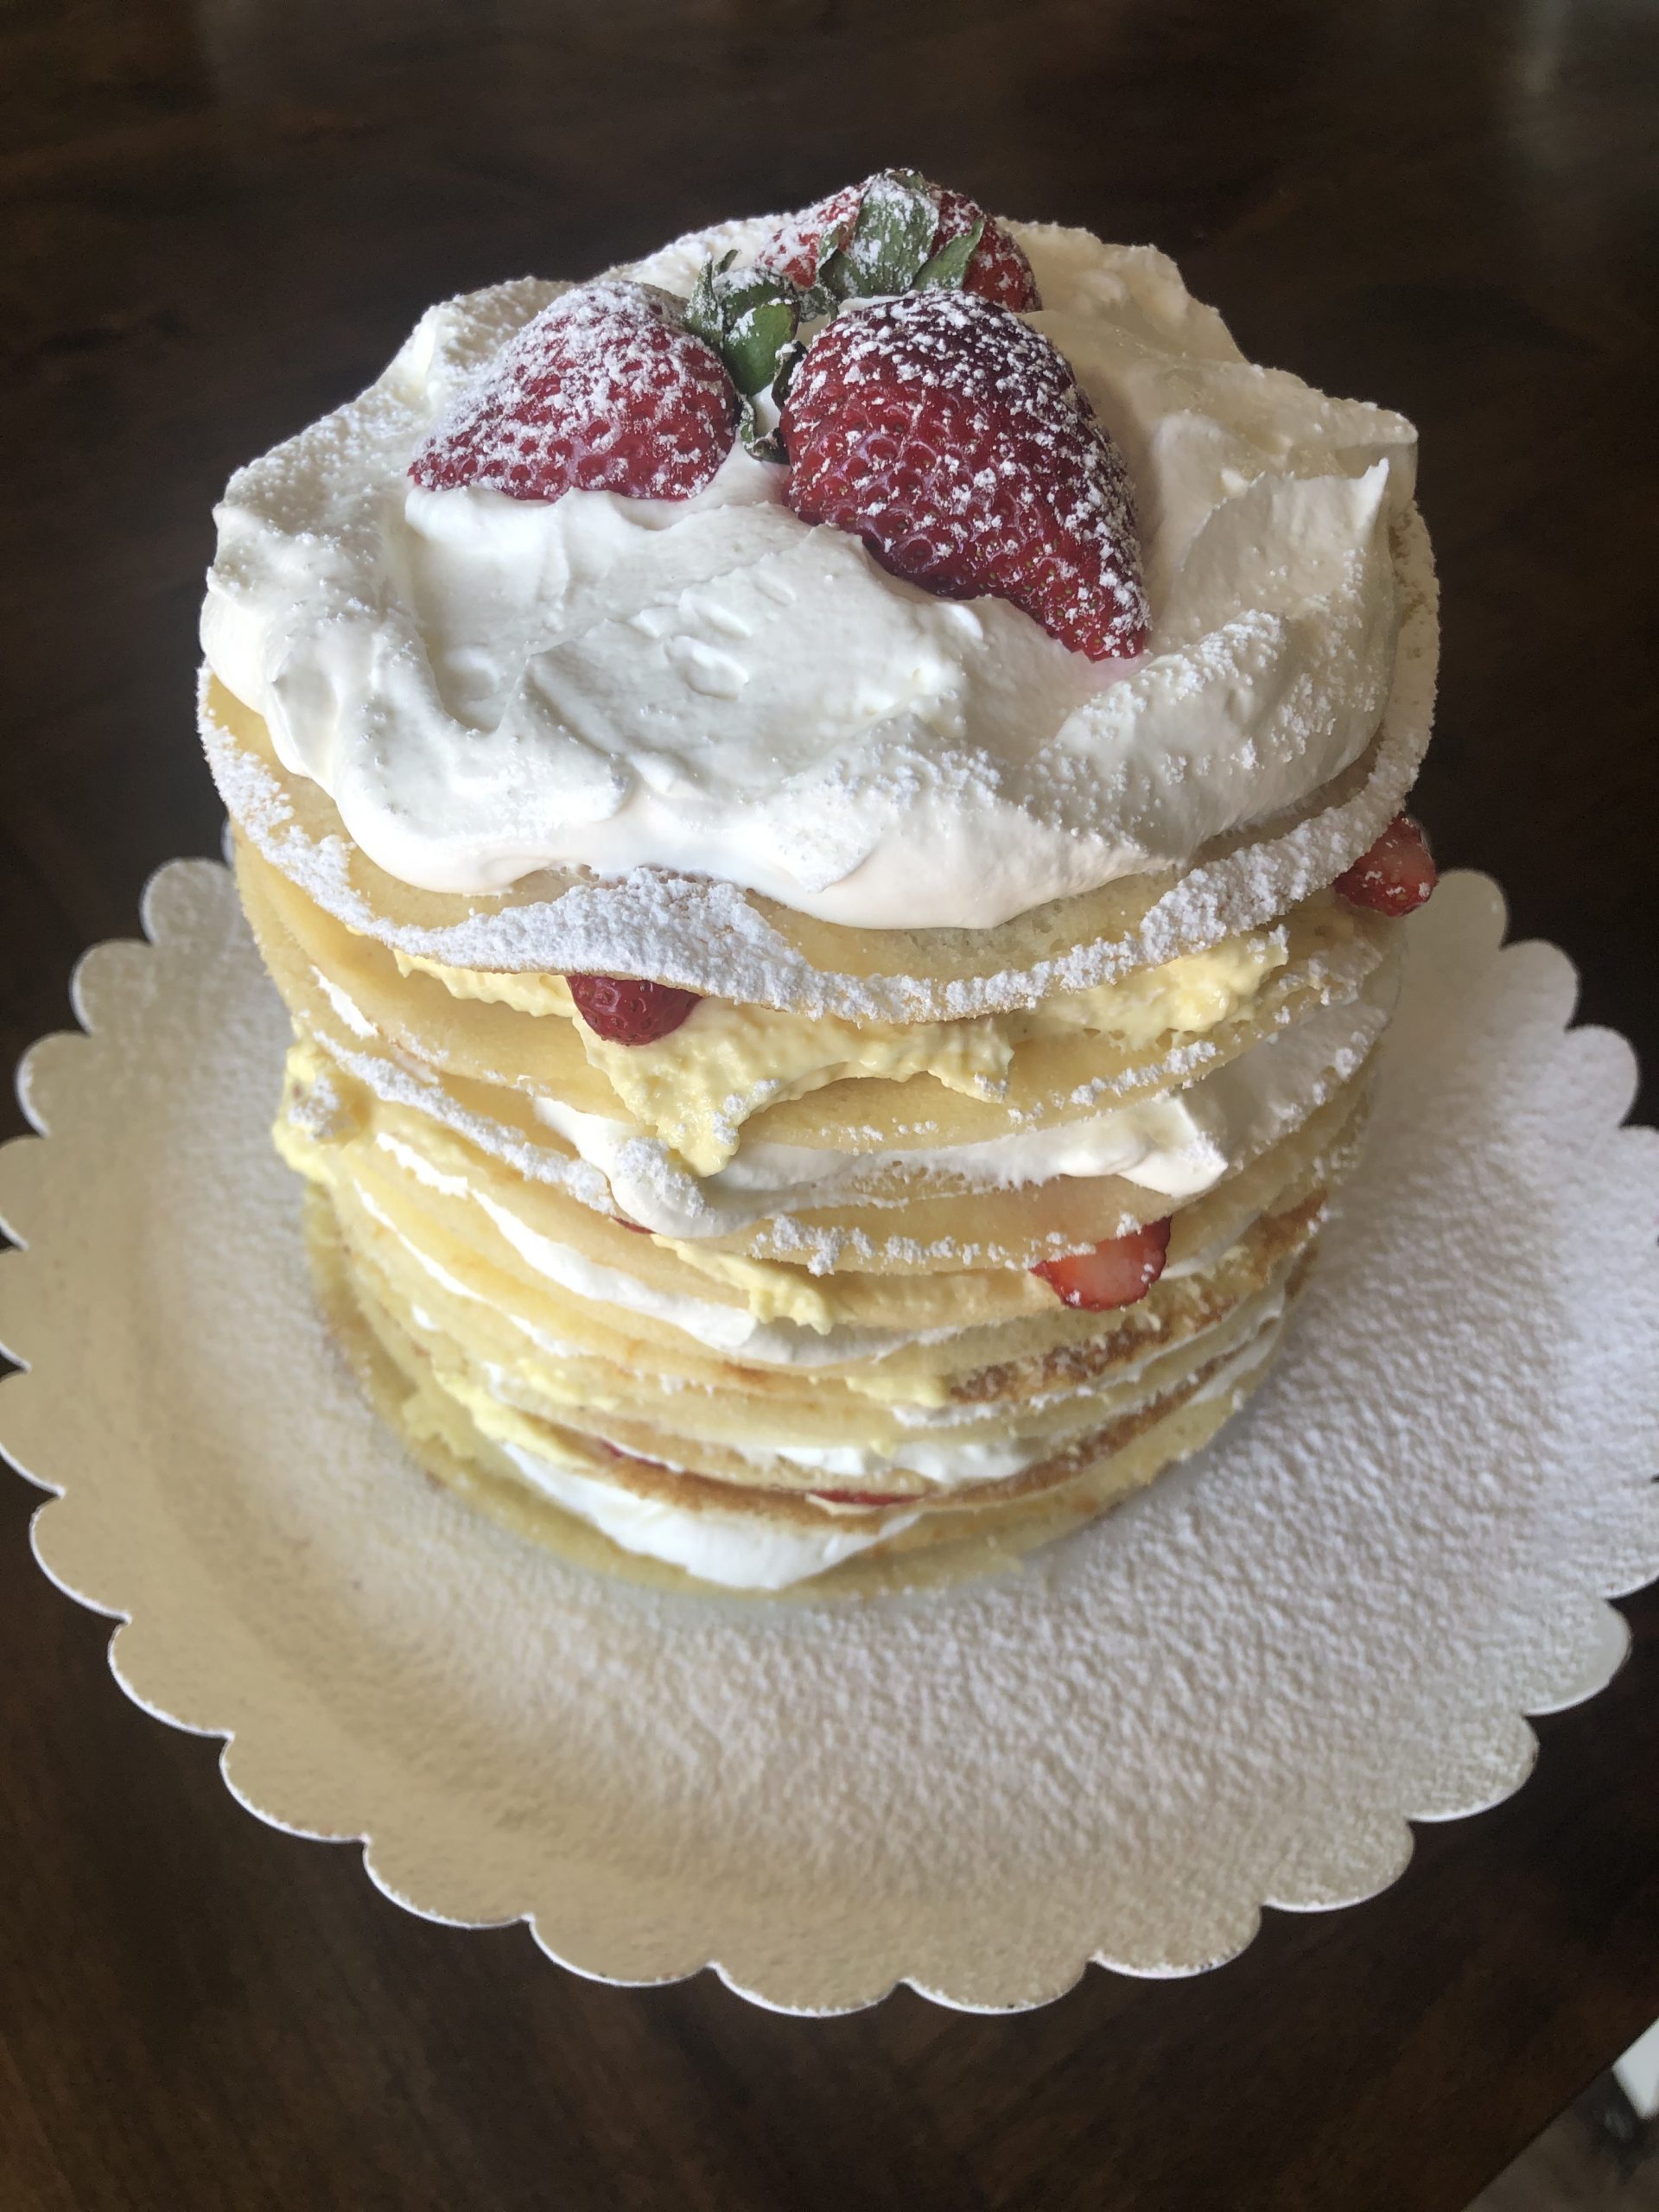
x=528, y=1257
x=694, y=1089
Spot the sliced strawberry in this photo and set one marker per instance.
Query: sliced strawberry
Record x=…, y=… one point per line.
x=998, y=270
x=870, y=1498
x=605, y=391
x=629, y=1009
x=1397, y=875
x=1118, y=1273
x=956, y=441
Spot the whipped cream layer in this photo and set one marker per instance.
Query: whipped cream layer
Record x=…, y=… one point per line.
x=1194, y=1138
x=739, y=1551
x=1177, y=1143
x=775, y=1340
x=486, y=687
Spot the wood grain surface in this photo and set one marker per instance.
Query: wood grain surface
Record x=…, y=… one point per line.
x=218, y=221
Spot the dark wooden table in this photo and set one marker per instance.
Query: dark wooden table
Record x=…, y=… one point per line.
x=221, y=218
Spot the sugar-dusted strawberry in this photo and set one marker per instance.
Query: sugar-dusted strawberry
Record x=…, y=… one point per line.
x=999, y=269
x=1118, y=1273
x=956, y=441
x=630, y=1009
x=605, y=391
x=1397, y=875
x=799, y=242
x=996, y=268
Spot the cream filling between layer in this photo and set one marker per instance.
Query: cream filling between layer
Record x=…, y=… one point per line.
x=1177, y=1144
x=1231, y=1115
x=957, y=1462
x=745, y=1551
x=720, y=1328
x=1267, y=1092
x=739, y=1551
x=768, y=1344
x=694, y=1089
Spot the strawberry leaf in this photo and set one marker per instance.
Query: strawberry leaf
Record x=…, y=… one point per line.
x=889, y=243
x=947, y=270
x=789, y=360
x=755, y=336
x=701, y=313
x=750, y=317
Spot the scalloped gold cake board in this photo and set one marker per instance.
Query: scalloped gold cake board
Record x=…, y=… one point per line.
x=1237, y=1690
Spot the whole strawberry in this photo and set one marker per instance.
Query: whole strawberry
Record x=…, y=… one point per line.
x=996, y=268
x=956, y=441
x=605, y=391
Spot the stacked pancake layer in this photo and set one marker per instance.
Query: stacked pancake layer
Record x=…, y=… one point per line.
x=756, y=1302
x=754, y=1306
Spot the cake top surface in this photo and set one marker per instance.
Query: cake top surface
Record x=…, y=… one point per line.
x=489, y=685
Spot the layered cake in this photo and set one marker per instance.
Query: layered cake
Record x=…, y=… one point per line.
x=827, y=807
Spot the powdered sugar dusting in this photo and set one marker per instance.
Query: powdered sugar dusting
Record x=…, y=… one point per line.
x=999, y=269
x=955, y=441
x=605, y=391
x=489, y=687
x=715, y=938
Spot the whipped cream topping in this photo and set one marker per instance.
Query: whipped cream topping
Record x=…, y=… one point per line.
x=486, y=687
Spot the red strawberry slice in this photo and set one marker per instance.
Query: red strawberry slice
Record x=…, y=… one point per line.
x=1118, y=1273
x=1397, y=874
x=604, y=391
x=956, y=441
x=629, y=1009
x=999, y=269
